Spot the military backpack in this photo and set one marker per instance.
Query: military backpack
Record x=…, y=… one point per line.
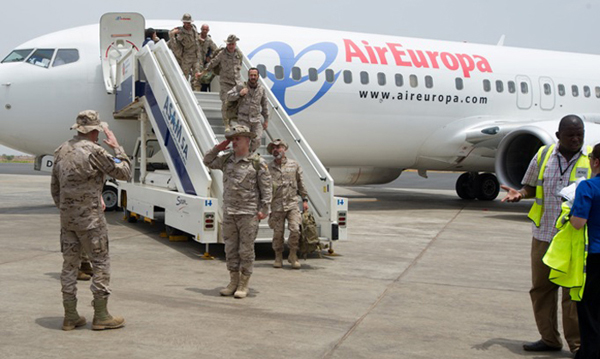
x=309, y=236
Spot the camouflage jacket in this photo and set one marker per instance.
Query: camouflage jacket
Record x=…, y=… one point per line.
x=288, y=183
x=207, y=48
x=230, y=65
x=246, y=188
x=253, y=104
x=185, y=44
x=78, y=175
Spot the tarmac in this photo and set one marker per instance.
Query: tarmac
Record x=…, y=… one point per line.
x=422, y=275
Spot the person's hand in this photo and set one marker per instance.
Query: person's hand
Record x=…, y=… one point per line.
x=261, y=215
x=110, y=140
x=304, y=206
x=265, y=125
x=103, y=204
x=244, y=92
x=175, y=31
x=223, y=145
x=512, y=194
x=198, y=75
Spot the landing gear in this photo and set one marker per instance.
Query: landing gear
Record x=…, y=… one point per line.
x=471, y=185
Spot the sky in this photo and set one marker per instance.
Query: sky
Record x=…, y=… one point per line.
x=562, y=25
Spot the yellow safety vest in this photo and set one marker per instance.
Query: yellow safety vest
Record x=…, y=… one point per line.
x=581, y=169
x=567, y=255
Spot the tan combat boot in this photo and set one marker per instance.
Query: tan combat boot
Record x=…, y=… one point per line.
x=86, y=267
x=278, y=260
x=226, y=121
x=293, y=259
x=103, y=319
x=242, y=290
x=233, y=284
x=83, y=276
x=72, y=318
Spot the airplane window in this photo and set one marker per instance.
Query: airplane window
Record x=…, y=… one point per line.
x=586, y=91
x=511, y=87
x=487, y=86
x=279, y=72
x=499, y=86
x=561, y=89
x=65, y=56
x=428, y=81
x=414, y=82
x=459, y=83
x=364, y=77
x=575, y=90
x=399, y=80
x=524, y=88
x=329, y=76
x=262, y=70
x=348, y=76
x=381, y=78
x=17, y=55
x=597, y=92
x=41, y=57
x=312, y=74
x=547, y=89
x=296, y=74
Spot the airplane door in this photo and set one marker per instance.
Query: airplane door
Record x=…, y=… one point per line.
x=524, y=92
x=119, y=32
x=547, y=98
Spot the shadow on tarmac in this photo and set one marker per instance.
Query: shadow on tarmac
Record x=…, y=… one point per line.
x=516, y=347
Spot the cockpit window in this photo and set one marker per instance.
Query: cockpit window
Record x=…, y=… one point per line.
x=65, y=56
x=17, y=55
x=41, y=57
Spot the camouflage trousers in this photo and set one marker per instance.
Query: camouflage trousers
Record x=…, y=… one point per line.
x=255, y=126
x=239, y=234
x=94, y=243
x=190, y=65
x=277, y=223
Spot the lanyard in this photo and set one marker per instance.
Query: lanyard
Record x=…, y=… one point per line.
x=562, y=173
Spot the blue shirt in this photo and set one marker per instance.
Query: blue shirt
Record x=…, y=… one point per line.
x=587, y=206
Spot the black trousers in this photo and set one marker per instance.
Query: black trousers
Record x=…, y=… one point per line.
x=589, y=311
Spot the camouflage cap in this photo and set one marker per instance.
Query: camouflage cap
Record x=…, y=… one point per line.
x=88, y=121
x=277, y=142
x=239, y=130
x=231, y=39
x=187, y=18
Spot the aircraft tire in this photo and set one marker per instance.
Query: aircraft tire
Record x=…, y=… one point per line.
x=487, y=187
x=465, y=186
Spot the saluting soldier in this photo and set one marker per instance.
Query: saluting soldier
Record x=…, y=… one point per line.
x=246, y=200
x=78, y=175
x=288, y=184
x=184, y=43
x=252, y=105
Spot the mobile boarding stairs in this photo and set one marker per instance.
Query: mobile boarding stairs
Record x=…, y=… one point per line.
x=177, y=127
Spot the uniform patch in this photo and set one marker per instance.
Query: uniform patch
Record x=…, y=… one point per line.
x=117, y=160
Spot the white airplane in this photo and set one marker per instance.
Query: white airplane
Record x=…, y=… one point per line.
x=370, y=105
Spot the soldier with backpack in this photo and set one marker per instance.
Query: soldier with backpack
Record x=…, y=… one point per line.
x=227, y=64
x=184, y=43
x=288, y=184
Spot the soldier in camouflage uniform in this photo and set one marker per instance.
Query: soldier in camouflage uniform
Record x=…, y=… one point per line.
x=288, y=183
x=207, y=50
x=229, y=63
x=246, y=200
x=252, y=103
x=78, y=175
x=184, y=43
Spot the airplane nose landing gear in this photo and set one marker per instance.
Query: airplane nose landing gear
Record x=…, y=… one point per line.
x=471, y=185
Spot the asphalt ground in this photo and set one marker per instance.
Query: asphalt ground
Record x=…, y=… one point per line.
x=422, y=275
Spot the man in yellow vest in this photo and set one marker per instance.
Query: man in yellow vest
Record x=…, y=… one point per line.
x=551, y=169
